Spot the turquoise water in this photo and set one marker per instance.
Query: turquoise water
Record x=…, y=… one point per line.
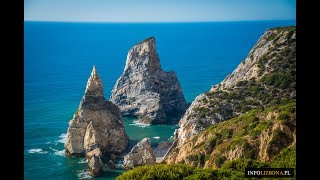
x=59, y=59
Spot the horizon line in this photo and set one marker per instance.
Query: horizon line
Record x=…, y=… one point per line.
x=154, y=22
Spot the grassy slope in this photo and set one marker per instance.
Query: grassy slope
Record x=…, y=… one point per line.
x=248, y=125
x=230, y=170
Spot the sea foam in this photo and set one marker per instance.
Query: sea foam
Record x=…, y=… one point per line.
x=138, y=124
x=63, y=138
x=60, y=153
x=82, y=161
x=83, y=174
x=57, y=152
x=37, y=151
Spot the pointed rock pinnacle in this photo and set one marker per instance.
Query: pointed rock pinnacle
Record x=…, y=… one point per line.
x=94, y=84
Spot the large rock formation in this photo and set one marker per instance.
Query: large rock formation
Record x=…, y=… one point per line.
x=140, y=154
x=145, y=90
x=266, y=77
x=97, y=127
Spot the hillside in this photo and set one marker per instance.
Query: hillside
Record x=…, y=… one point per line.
x=247, y=120
x=266, y=77
x=258, y=134
x=259, y=138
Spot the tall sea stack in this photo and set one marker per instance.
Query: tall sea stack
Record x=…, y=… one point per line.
x=145, y=90
x=96, y=127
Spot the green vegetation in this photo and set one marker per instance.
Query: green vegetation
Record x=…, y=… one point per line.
x=278, y=80
x=192, y=157
x=279, y=139
x=229, y=169
x=241, y=164
x=286, y=158
x=243, y=134
x=177, y=171
x=220, y=160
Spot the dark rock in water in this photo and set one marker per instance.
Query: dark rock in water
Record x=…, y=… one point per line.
x=113, y=157
x=95, y=166
x=111, y=165
x=145, y=90
x=140, y=154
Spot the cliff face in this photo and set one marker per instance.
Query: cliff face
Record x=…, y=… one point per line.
x=259, y=135
x=265, y=78
x=96, y=127
x=145, y=90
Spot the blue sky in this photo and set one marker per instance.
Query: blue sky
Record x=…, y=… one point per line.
x=158, y=10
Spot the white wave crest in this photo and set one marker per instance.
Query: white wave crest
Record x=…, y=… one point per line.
x=82, y=161
x=38, y=151
x=49, y=142
x=60, y=153
x=84, y=174
x=63, y=138
x=156, y=137
x=138, y=124
x=55, y=150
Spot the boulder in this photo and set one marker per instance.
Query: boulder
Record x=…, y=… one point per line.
x=140, y=154
x=95, y=166
x=111, y=165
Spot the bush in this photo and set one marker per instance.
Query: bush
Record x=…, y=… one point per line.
x=226, y=133
x=245, y=109
x=284, y=117
x=177, y=171
x=220, y=160
x=278, y=80
x=285, y=159
x=249, y=152
x=192, y=157
x=241, y=164
x=242, y=83
x=279, y=140
x=212, y=143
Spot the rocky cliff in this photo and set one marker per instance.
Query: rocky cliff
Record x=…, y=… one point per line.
x=145, y=90
x=267, y=77
x=96, y=128
x=258, y=139
x=258, y=135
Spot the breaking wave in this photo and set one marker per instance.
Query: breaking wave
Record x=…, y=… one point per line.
x=37, y=151
x=63, y=138
x=138, y=124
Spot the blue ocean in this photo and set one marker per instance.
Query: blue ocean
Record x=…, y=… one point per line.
x=58, y=59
